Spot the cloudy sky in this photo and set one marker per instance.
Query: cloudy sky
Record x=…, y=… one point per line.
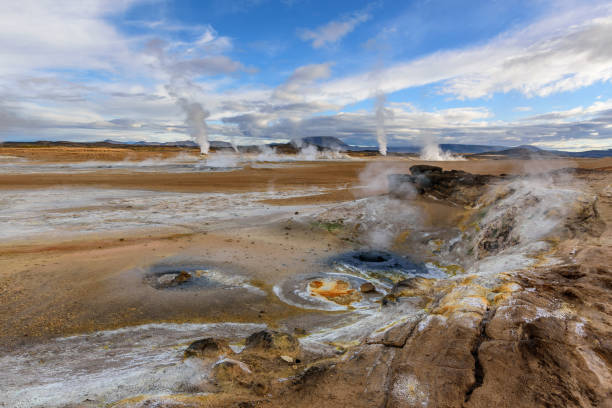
x=485, y=72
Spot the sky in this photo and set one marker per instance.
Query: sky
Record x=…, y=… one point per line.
x=494, y=72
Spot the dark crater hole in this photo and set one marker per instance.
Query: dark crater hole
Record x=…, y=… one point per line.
x=371, y=260
x=372, y=256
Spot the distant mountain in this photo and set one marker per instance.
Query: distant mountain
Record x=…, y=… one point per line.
x=591, y=153
x=528, y=151
x=521, y=152
x=218, y=144
x=532, y=148
x=447, y=147
x=328, y=142
x=470, y=148
x=367, y=148
x=215, y=144
x=178, y=143
x=110, y=141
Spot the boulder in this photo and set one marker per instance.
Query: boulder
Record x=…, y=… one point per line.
x=272, y=342
x=207, y=348
x=367, y=288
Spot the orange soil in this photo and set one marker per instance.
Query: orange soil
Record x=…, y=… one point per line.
x=338, y=291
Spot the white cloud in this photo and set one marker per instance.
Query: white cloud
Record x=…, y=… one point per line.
x=37, y=39
x=573, y=114
x=301, y=80
x=559, y=53
x=575, y=144
x=37, y=34
x=210, y=41
x=334, y=31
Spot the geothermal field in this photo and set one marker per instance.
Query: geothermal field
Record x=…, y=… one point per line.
x=162, y=278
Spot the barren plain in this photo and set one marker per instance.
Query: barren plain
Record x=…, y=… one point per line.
x=138, y=278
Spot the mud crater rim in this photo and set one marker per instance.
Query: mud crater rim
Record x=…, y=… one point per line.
x=374, y=259
x=298, y=290
x=187, y=277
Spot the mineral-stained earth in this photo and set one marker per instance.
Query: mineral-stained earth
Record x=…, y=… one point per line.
x=361, y=282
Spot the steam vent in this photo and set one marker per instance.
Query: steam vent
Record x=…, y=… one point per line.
x=236, y=204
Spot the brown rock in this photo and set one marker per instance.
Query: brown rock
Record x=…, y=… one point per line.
x=181, y=278
x=232, y=372
x=271, y=341
x=367, y=288
x=207, y=348
x=455, y=185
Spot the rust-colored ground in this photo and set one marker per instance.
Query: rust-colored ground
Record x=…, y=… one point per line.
x=58, y=287
x=310, y=174
x=61, y=154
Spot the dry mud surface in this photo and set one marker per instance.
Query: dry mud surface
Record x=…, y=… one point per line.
x=161, y=281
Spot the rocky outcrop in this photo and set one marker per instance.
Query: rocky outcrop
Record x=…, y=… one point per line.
x=585, y=219
x=535, y=338
x=254, y=371
x=456, y=186
x=497, y=235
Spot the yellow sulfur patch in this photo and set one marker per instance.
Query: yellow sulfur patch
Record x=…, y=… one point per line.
x=336, y=290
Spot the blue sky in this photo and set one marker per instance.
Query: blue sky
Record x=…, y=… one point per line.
x=486, y=72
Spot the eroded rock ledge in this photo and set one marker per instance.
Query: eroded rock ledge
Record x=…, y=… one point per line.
x=454, y=185
x=541, y=338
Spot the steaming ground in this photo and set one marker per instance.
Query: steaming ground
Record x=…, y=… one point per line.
x=66, y=213
x=181, y=163
x=82, y=324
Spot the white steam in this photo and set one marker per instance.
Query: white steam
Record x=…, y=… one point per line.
x=227, y=160
x=182, y=90
x=432, y=152
x=306, y=153
x=381, y=136
x=196, y=122
x=381, y=218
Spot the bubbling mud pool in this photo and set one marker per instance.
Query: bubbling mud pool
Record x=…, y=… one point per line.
x=342, y=288
x=356, y=286
x=324, y=291
x=383, y=268
x=193, y=277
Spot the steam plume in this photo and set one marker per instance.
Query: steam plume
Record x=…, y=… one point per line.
x=179, y=87
x=432, y=152
x=196, y=122
x=381, y=136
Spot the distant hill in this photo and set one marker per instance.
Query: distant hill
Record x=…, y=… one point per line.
x=218, y=144
x=591, y=153
x=333, y=143
x=522, y=152
x=178, y=143
x=447, y=147
x=469, y=148
x=529, y=152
